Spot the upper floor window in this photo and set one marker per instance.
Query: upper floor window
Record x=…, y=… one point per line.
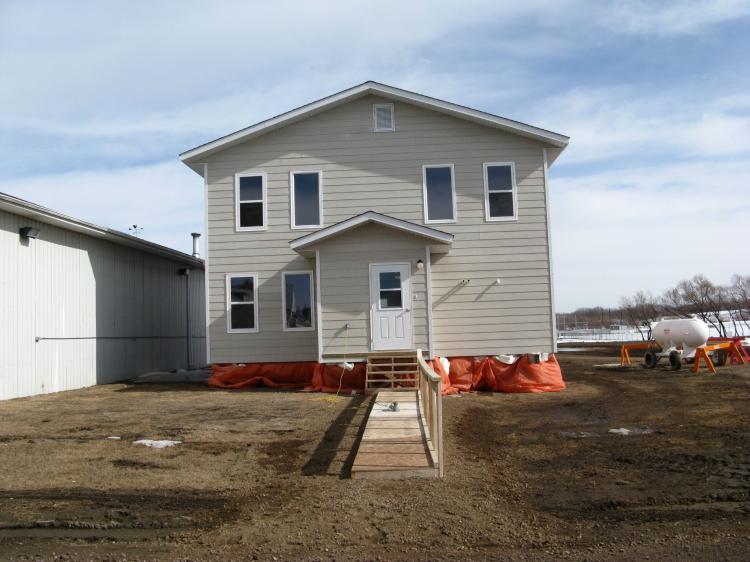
x=439, y=193
x=250, y=201
x=500, y=198
x=242, y=302
x=306, y=199
x=297, y=300
x=383, y=117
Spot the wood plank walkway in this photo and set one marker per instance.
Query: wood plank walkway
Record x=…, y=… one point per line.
x=394, y=444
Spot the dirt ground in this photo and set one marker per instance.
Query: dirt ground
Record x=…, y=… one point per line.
x=264, y=474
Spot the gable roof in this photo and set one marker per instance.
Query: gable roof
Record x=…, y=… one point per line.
x=45, y=215
x=193, y=156
x=442, y=240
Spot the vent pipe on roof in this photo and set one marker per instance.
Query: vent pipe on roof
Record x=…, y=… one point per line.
x=196, y=251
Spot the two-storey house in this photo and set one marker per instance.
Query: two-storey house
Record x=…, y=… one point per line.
x=378, y=219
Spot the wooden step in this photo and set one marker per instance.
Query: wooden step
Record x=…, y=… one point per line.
x=391, y=370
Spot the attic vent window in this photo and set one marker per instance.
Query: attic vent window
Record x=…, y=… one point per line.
x=382, y=114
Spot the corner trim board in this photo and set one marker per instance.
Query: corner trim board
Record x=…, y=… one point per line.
x=549, y=252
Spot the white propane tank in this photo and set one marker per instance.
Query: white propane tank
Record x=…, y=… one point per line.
x=686, y=333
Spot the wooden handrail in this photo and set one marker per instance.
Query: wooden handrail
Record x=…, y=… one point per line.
x=430, y=390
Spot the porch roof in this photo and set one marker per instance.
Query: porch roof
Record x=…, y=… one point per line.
x=439, y=241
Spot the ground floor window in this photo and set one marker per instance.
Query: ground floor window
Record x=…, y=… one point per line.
x=297, y=300
x=242, y=302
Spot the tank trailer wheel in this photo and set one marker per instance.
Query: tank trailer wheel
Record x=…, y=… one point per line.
x=675, y=360
x=650, y=359
x=719, y=358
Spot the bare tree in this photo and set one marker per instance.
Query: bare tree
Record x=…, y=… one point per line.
x=641, y=310
x=698, y=296
x=739, y=297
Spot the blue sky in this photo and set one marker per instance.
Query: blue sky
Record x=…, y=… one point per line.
x=99, y=98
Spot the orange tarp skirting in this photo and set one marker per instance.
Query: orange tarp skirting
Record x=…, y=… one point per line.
x=274, y=375
x=310, y=375
x=466, y=374
x=327, y=377
x=447, y=388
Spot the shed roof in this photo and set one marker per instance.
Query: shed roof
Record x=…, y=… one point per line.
x=553, y=140
x=31, y=210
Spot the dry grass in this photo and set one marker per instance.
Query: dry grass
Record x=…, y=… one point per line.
x=263, y=474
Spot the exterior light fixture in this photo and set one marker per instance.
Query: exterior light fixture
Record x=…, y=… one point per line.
x=29, y=232
x=420, y=265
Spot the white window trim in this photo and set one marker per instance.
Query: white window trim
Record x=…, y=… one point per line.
x=263, y=201
x=453, y=192
x=228, y=299
x=513, y=191
x=292, y=224
x=284, y=327
x=375, y=107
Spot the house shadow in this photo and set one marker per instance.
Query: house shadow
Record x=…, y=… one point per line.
x=149, y=313
x=335, y=453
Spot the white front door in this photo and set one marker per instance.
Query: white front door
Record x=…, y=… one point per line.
x=390, y=306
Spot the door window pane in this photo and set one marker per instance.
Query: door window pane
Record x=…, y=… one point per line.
x=439, y=188
x=298, y=300
x=390, y=299
x=306, y=199
x=390, y=280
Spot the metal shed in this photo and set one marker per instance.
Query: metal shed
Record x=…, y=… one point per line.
x=81, y=304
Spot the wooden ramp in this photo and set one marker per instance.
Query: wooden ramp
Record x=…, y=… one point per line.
x=395, y=444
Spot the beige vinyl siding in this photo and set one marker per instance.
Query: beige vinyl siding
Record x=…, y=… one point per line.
x=345, y=285
x=361, y=171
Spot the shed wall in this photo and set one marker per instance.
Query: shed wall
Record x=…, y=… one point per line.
x=77, y=311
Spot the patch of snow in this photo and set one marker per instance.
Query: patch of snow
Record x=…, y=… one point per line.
x=633, y=431
x=114, y=437
x=620, y=431
x=157, y=443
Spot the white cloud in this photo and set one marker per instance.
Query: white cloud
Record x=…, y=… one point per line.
x=671, y=17
x=613, y=122
x=624, y=230
x=166, y=199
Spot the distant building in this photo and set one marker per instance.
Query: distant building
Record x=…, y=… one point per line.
x=82, y=305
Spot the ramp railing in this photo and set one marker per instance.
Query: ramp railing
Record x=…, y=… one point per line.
x=430, y=398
